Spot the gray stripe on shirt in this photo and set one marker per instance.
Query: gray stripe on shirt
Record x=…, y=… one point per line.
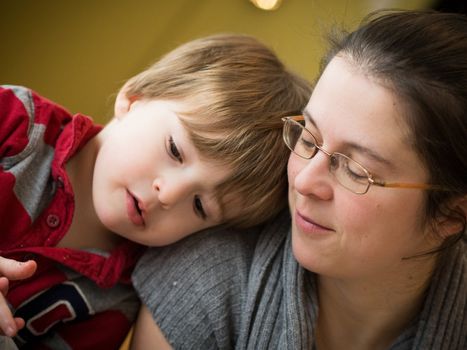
x=32, y=168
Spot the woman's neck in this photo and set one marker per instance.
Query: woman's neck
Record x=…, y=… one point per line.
x=372, y=313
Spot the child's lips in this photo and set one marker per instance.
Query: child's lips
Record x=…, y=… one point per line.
x=134, y=212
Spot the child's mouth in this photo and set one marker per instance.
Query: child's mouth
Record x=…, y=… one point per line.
x=134, y=212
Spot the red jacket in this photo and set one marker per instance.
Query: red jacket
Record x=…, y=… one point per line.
x=74, y=292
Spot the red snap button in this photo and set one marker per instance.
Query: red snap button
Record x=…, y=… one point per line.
x=60, y=182
x=29, y=256
x=53, y=220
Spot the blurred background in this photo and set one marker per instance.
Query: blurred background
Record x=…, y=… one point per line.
x=79, y=53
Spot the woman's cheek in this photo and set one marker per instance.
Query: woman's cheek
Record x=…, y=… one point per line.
x=292, y=170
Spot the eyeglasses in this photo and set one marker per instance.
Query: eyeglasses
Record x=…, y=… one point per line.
x=348, y=172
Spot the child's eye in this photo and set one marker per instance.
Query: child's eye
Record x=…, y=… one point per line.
x=198, y=207
x=173, y=150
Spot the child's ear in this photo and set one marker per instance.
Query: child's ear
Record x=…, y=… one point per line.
x=450, y=226
x=123, y=103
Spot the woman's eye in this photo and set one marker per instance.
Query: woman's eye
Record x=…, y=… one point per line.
x=309, y=144
x=355, y=171
x=174, y=152
x=198, y=208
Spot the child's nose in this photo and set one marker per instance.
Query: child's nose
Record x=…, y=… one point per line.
x=171, y=191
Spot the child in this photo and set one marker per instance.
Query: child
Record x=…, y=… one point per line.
x=195, y=142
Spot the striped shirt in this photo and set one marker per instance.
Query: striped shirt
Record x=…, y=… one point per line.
x=72, y=290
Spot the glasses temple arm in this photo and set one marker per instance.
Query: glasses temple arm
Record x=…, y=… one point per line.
x=406, y=185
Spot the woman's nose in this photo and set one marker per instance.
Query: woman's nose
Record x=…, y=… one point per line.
x=311, y=177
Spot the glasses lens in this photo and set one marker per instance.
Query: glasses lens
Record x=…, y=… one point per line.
x=349, y=173
x=298, y=139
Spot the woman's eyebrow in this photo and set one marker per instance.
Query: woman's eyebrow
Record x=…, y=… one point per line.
x=354, y=146
x=308, y=117
x=369, y=153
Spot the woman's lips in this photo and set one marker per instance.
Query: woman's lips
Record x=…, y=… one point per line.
x=308, y=226
x=133, y=211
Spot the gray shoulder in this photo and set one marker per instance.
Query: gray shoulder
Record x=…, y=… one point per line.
x=194, y=288
x=205, y=253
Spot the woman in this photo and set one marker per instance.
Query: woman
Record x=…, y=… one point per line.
x=376, y=254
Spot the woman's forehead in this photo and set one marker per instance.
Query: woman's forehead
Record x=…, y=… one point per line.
x=349, y=107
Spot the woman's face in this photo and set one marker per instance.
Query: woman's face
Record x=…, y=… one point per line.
x=336, y=232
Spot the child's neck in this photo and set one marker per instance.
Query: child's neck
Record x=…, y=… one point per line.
x=86, y=230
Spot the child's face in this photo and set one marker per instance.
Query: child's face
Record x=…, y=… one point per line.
x=150, y=184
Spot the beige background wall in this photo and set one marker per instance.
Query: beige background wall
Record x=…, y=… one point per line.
x=79, y=53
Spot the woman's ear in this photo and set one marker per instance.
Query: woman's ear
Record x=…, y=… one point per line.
x=123, y=103
x=449, y=226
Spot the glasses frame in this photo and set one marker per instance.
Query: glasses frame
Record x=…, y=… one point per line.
x=371, y=180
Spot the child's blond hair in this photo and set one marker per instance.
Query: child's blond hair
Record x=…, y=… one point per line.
x=239, y=90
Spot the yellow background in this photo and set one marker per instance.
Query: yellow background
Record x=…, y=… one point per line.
x=78, y=53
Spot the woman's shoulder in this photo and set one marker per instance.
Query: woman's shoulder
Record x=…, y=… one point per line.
x=199, y=285
x=201, y=254
x=444, y=314
x=214, y=251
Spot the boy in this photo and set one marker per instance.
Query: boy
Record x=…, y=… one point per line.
x=195, y=142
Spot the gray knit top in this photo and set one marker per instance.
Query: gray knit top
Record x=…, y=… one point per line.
x=223, y=289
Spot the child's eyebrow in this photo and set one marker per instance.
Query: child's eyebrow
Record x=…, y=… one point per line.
x=214, y=210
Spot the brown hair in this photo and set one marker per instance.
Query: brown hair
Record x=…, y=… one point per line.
x=239, y=90
x=422, y=57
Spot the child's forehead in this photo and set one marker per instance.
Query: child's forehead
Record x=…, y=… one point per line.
x=212, y=146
